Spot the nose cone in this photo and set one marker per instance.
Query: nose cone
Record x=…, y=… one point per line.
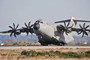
x=36, y=26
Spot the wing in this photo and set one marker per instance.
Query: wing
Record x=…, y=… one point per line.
x=81, y=20
x=79, y=29
x=68, y=20
x=83, y=29
x=6, y=31
x=75, y=20
x=19, y=31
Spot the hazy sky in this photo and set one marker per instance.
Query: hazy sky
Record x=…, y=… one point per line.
x=20, y=11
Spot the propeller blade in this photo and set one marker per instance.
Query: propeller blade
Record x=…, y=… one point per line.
x=84, y=25
x=80, y=26
x=80, y=32
x=11, y=27
x=87, y=26
x=17, y=26
x=86, y=33
x=65, y=24
x=11, y=34
x=26, y=24
x=66, y=32
x=68, y=24
x=14, y=34
x=27, y=33
x=14, y=25
x=83, y=34
x=29, y=23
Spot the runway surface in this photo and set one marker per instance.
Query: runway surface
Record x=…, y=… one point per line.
x=43, y=47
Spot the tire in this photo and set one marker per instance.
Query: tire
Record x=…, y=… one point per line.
x=44, y=44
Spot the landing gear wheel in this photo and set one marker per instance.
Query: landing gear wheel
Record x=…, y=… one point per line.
x=44, y=44
x=61, y=44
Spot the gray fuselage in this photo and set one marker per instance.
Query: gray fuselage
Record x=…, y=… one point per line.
x=48, y=34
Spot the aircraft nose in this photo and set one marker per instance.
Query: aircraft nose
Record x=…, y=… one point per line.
x=36, y=26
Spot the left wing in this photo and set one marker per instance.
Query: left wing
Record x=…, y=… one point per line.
x=16, y=31
x=6, y=31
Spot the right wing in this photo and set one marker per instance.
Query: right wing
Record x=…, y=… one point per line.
x=75, y=20
x=81, y=20
x=79, y=29
x=83, y=29
x=68, y=20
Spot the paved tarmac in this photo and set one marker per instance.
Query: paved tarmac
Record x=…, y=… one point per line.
x=42, y=47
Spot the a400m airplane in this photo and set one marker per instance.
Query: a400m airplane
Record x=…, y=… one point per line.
x=52, y=34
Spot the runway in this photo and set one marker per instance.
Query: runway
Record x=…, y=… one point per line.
x=43, y=47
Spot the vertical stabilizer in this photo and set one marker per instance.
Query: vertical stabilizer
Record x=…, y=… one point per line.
x=72, y=23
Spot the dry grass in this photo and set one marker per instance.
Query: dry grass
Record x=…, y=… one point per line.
x=16, y=54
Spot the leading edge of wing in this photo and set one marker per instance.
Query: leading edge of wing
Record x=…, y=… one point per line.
x=76, y=20
x=63, y=21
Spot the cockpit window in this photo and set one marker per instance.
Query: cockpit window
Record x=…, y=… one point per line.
x=39, y=21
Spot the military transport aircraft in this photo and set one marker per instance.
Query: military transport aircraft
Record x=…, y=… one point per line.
x=52, y=34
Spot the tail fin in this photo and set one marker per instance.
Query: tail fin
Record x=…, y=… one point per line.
x=72, y=22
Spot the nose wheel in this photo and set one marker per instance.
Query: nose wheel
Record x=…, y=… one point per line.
x=44, y=44
x=61, y=44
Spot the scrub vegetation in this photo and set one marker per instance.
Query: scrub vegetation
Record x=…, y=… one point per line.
x=47, y=54
x=56, y=53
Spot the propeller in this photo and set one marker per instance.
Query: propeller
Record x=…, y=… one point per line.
x=83, y=29
x=66, y=28
x=28, y=28
x=14, y=30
